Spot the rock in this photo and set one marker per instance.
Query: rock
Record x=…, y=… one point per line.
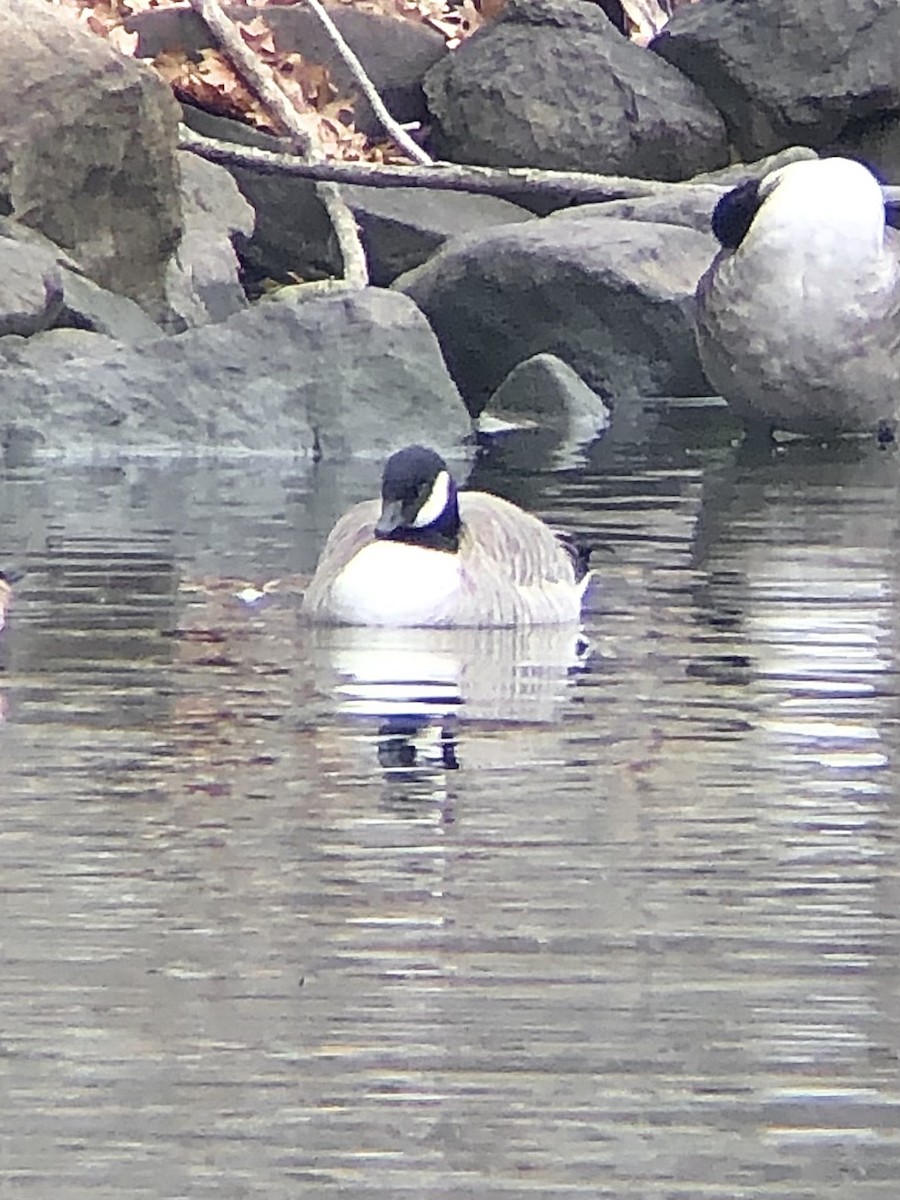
x=56, y=294
x=691, y=204
x=394, y=53
x=781, y=72
x=611, y=298
x=292, y=237
x=688, y=206
x=402, y=227
x=737, y=173
x=57, y=346
x=30, y=288
x=87, y=149
x=348, y=373
x=202, y=280
x=545, y=392
x=550, y=85
x=87, y=306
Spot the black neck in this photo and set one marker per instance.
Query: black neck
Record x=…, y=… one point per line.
x=442, y=534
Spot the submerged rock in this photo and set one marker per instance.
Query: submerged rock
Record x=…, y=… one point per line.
x=545, y=392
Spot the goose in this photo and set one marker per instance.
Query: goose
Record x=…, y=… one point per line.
x=428, y=555
x=798, y=316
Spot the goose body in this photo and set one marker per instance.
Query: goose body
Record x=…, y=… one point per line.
x=798, y=317
x=427, y=555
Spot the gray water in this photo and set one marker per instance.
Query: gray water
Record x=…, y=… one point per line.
x=289, y=913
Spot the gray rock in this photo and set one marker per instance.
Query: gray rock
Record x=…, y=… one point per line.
x=611, y=298
x=688, y=206
x=293, y=235
x=552, y=84
x=56, y=346
x=88, y=306
x=736, y=173
x=402, y=227
x=349, y=373
x=782, y=72
x=30, y=288
x=41, y=287
x=87, y=149
x=202, y=281
x=544, y=391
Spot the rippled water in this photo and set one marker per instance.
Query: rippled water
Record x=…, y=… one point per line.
x=455, y=915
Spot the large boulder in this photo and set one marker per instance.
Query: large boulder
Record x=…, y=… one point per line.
x=552, y=84
x=334, y=375
x=612, y=298
x=87, y=149
x=784, y=71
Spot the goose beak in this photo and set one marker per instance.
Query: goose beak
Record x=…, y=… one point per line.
x=392, y=517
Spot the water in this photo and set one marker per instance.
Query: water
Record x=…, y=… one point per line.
x=291, y=913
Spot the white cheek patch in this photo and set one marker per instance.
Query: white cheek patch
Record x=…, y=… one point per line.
x=437, y=501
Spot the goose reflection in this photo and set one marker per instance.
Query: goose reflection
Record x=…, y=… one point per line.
x=421, y=687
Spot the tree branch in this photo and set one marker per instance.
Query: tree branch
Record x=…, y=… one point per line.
x=396, y=131
x=488, y=181
x=263, y=83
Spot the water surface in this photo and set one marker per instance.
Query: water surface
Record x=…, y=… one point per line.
x=489, y=915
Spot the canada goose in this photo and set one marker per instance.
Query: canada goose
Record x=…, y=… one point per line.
x=427, y=555
x=798, y=317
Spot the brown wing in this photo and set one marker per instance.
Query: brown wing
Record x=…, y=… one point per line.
x=514, y=570
x=512, y=542
x=354, y=530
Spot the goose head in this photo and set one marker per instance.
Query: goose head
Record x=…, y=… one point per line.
x=418, y=500
x=815, y=201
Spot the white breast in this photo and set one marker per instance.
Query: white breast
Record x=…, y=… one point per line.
x=392, y=583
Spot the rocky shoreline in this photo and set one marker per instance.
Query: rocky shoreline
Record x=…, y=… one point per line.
x=126, y=263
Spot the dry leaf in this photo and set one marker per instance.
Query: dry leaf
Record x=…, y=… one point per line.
x=123, y=41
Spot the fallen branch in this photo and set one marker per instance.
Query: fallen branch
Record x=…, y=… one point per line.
x=487, y=181
x=278, y=103
x=451, y=177
x=357, y=70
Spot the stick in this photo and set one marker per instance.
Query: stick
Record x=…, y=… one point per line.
x=264, y=85
x=396, y=131
x=486, y=181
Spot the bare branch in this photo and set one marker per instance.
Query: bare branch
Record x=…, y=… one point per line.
x=490, y=181
x=254, y=71
x=276, y=100
x=396, y=131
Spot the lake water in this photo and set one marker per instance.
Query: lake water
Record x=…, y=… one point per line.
x=476, y=915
